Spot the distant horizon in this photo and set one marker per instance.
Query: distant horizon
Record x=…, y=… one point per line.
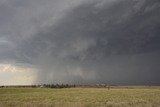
x=83, y=84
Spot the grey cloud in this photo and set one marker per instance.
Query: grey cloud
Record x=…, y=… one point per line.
x=90, y=41
x=21, y=19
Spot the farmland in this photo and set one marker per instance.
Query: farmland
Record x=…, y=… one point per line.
x=80, y=97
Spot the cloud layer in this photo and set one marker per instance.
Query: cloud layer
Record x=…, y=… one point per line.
x=83, y=41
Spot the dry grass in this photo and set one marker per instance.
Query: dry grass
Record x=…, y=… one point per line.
x=79, y=97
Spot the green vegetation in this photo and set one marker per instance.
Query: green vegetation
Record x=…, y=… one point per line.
x=79, y=97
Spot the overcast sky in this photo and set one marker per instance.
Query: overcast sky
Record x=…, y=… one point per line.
x=80, y=42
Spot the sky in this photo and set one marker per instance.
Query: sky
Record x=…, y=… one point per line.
x=80, y=42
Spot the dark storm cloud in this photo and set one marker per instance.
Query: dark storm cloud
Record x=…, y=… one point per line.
x=93, y=41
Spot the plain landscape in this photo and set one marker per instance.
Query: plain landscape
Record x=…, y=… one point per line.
x=79, y=53
x=116, y=96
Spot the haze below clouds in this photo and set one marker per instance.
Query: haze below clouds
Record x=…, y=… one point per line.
x=80, y=42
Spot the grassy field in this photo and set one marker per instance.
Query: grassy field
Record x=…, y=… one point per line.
x=80, y=97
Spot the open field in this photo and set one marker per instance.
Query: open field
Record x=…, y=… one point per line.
x=80, y=97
